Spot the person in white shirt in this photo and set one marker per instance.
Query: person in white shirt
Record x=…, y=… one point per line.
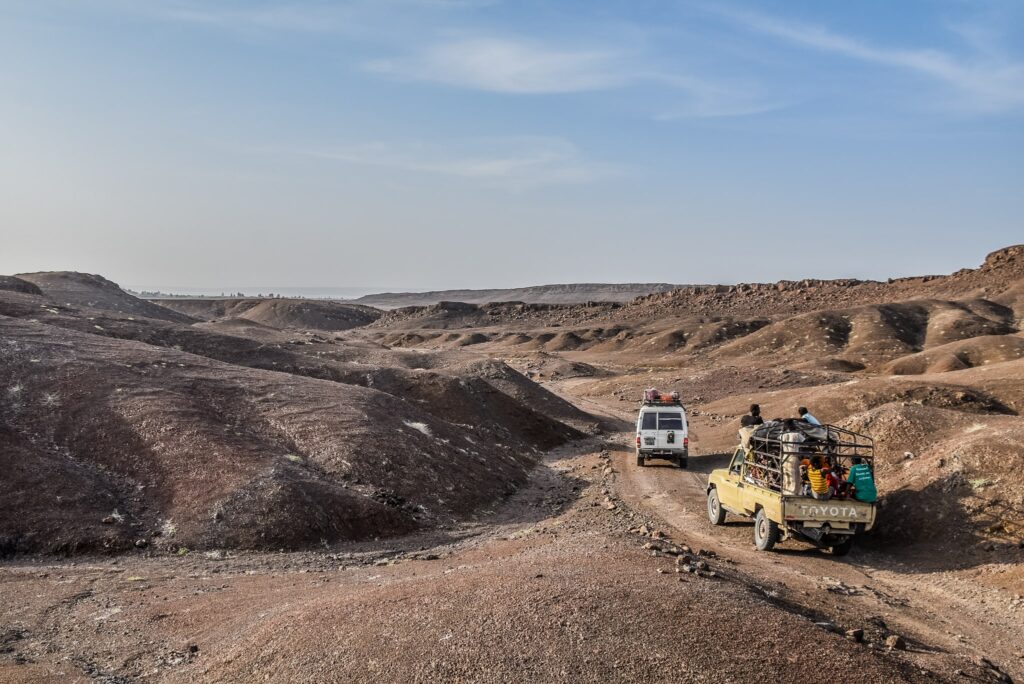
x=806, y=415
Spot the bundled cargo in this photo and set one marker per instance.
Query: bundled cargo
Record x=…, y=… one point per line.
x=653, y=396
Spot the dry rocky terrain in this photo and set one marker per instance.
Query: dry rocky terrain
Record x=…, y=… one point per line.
x=288, y=490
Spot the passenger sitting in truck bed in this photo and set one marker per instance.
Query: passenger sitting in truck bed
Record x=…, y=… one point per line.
x=862, y=481
x=753, y=418
x=807, y=416
x=817, y=475
x=835, y=484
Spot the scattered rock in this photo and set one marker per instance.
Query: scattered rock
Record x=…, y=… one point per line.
x=855, y=634
x=895, y=642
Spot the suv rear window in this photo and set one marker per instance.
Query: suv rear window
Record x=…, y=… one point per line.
x=650, y=422
x=670, y=421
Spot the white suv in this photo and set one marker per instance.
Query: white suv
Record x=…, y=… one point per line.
x=661, y=430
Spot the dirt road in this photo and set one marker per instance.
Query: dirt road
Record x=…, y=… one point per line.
x=968, y=611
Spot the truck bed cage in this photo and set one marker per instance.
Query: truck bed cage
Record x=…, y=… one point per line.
x=774, y=451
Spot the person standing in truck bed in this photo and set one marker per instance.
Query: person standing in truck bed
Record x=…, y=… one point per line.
x=753, y=418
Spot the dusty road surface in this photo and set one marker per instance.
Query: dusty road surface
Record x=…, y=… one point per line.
x=553, y=587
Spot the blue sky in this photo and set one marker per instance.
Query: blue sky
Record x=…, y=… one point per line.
x=458, y=143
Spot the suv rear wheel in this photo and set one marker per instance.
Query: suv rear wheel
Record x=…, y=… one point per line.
x=766, y=532
x=716, y=514
x=640, y=459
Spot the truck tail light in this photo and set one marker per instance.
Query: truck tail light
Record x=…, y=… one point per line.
x=638, y=441
x=686, y=442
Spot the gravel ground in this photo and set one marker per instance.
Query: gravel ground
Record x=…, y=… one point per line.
x=556, y=586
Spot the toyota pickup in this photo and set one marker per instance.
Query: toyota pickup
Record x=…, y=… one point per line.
x=764, y=481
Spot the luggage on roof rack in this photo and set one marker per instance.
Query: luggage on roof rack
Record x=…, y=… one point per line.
x=653, y=396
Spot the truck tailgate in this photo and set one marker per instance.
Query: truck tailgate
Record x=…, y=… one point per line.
x=837, y=510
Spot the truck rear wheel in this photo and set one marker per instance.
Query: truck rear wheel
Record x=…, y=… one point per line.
x=640, y=459
x=842, y=548
x=681, y=462
x=766, y=532
x=716, y=514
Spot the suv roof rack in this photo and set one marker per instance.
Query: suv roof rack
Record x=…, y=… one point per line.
x=653, y=397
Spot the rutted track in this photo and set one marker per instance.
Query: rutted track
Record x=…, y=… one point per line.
x=938, y=612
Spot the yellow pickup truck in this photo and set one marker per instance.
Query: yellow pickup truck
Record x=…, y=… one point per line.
x=763, y=482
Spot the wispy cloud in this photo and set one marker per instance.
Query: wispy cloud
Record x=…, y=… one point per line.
x=473, y=58
x=506, y=66
x=513, y=163
x=303, y=16
x=989, y=82
x=714, y=99
x=527, y=67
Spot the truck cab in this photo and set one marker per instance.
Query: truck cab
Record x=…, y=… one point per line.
x=753, y=487
x=662, y=430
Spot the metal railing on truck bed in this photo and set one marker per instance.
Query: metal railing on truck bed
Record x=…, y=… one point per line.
x=776, y=450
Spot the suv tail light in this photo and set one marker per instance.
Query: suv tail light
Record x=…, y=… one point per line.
x=686, y=442
x=638, y=441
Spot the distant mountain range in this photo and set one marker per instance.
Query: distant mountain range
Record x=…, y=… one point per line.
x=573, y=293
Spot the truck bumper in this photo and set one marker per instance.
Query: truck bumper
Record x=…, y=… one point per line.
x=825, y=535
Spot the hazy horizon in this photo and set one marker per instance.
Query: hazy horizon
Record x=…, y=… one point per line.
x=469, y=144
x=327, y=292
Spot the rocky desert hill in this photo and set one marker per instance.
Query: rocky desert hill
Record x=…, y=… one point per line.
x=846, y=324
x=85, y=290
x=149, y=430
x=301, y=314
